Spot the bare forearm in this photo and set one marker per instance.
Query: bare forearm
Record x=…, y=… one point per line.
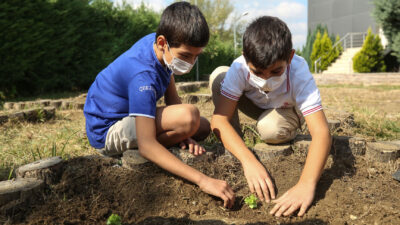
x=231, y=139
x=159, y=155
x=316, y=158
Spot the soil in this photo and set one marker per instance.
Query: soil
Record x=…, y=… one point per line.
x=351, y=190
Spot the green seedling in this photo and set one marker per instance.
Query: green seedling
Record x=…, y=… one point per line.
x=114, y=219
x=251, y=201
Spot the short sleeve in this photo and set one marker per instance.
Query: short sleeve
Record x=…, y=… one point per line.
x=142, y=97
x=234, y=82
x=308, y=98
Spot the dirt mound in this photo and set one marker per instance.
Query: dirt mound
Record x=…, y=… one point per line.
x=351, y=190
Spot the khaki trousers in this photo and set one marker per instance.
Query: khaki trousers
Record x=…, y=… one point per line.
x=120, y=137
x=275, y=126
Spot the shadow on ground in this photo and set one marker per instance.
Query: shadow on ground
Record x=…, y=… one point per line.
x=185, y=221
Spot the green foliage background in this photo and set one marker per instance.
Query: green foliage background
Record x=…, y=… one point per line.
x=370, y=57
x=51, y=46
x=387, y=14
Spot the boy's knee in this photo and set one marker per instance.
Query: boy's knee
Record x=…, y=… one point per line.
x=273, y=133
x=216, y=78
x=190, y=119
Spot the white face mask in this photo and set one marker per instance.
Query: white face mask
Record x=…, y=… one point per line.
x=177, y=65
x=269, y=84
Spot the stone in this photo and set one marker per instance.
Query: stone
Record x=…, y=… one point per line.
x=188, y=158
x=66, y=105
x=333, y=125
x=131, y=159
x=396, y=175
x=31, y=114
x=14, y=193
x=198, y=98
x=3, y=118
x=190, y=99
x=30, y=104
x=48, y=170
x=44, y=103
x=383, y=151
x=17, y=116
x=19, y=106
x=267, y=151
x=8, y=105
x=357, y=145
x=84, y=95
x=79, y=105
x=49, y=112
x=302, y=143
x=56, y=104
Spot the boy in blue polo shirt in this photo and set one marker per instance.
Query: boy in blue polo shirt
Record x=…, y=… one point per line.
x=121, y=111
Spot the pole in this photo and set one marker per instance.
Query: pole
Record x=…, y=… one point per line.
x=234, y=31
x=197, y=63
x=234, y=38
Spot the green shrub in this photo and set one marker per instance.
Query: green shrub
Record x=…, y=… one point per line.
x=370, y=58
x=322, y=47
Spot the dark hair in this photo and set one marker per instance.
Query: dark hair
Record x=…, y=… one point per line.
x=183, y=23
x=266, y=40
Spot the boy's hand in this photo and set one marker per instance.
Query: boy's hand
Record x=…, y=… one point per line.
x=193, y=146
x=218, y=188
x=299, y=196
x=259, y=180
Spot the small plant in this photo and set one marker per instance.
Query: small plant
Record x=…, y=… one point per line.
x=251, y=201
x=114, y=219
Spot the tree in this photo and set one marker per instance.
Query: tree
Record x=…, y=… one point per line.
x=370, y=58
x=322, y=48
x=387, y=14
x=307, y=48
x=338, y=48
x=216, y=13
x=316, y=50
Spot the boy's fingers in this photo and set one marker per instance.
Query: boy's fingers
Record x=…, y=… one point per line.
x=231, y=198
x=259, y=192
x=226, y=200
x=190, y=147
x=303, y=209
x=271, y=188
x=273, y=210
x=265, y=191
x=183, y=145
x=281, y=210
x=196, y=149
x=251, y=187
x=291, y=209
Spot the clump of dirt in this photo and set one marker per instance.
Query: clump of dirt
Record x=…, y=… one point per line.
x=351, y=191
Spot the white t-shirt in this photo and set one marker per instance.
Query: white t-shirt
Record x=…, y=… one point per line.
x=298, y=91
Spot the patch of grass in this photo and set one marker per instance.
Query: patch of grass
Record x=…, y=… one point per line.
x=56, y=95
x=373, y=124
x=23, y=142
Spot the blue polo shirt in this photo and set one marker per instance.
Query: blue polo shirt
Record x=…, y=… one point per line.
x=129, y=86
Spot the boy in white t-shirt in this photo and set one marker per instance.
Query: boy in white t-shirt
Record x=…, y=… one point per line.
x=270, y=84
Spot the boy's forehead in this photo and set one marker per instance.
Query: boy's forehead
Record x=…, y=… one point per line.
x=187, y=49
x=275, y=65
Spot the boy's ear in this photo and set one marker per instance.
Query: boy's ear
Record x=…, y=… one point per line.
x=291, y=55
x=161, y=42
